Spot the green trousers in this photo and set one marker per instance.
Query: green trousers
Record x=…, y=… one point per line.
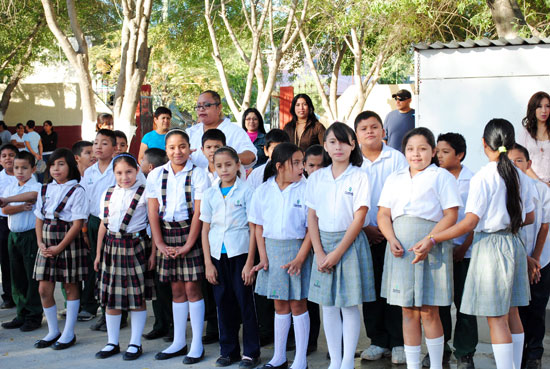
x=22, y=248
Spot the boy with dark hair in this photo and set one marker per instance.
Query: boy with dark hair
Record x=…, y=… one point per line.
x=33, y=142
x=22, y=244
x=212, y=140
x=7, y=156
x=121, y=142
x=153, y=158
x=313, y=159
x=84, y=155
x=272, y=139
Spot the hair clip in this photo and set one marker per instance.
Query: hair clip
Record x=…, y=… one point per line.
x=502, y=149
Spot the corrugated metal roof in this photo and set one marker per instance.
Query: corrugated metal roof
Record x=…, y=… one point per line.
x=484, y=42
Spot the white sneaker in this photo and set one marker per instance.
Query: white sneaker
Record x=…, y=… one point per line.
x=374, y=352
x=398, y=355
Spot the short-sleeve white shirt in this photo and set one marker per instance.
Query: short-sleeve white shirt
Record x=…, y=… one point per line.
x=6, y=181
x=256, y=177
x=235, y=137
x=228, y=218
x=335, y=200
x=463, y=188
x=282, y=214
x=176, y=205
x=75, y=208
x=15, y=137
x=25, y=220
x=529, y=233
x=425, y=195
x=389, y=161
x=487, y=199
x=120, y=201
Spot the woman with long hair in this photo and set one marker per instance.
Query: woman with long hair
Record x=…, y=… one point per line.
x=304, y=129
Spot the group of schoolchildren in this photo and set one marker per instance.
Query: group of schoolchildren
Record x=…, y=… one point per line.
x=299, y=242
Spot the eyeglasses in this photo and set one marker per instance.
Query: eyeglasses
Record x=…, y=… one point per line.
x=399, y=98
x=205, y=106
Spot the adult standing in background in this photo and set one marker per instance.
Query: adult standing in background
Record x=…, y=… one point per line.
x=49, y=140
x=33, y=142
x=253, y=124
x=162, y=119
x=304, y=129
x=18, y=138
x=535, y=136
x=5, y=134
x=400, y=121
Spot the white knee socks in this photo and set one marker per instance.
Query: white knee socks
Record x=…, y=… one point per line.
x=51, y=317
x=504, y=355
x=281, y=327
x=70, y=320
x=412, y=353
x=435, y=349
x=332, y=324
x=517, y=342
x=113, y=330
x=138, y=319
x=301, y=336
x=180, y=312
x=196, y=311
x=351, y=328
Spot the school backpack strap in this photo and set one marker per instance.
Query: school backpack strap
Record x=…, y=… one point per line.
x=131, y=209
x=106, y=202
x=164, y=184
x=62, y=204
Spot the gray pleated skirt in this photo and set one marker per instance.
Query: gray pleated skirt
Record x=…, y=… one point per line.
x=497, y=278
x=428, y=282
x=352, y=280
x=275, y=283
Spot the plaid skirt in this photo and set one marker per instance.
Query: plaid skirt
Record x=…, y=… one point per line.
x=186, y=268
x=428, y=282
x=70, y=265
x=497, y=278
x=124, y=283
x=352, y=279
x=275, y=283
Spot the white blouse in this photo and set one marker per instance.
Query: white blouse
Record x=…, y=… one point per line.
x=76, y=207
x=539, y=153
x=529, y=233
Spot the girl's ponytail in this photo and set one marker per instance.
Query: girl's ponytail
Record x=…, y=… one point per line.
x=269, y=170
x=499, y=136
x=281, y=154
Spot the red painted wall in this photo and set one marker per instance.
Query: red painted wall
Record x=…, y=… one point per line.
x=286, y=94
x=67, y=136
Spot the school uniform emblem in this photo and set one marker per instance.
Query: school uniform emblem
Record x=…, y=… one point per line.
x=298, y=205
x=349, y=191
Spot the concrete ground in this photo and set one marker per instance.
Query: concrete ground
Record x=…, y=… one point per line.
x=17, y=351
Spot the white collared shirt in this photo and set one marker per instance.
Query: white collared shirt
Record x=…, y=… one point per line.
x=335, y=200
x=235, y=137
x=121, y=198
x=75, y=208
x=282, y=214
x=425, y=195
x=529, y=233
x=256, y=178
x=463, y=181
x=25, y=220
x=176, y=205
x=6, y=181
x=389, y=161
x=228, y=218
x=96, y=183
x=487, y=199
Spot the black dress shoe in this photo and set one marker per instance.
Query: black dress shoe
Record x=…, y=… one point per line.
x=128, y=356
x=164, y=356
x=106, y=354
x=7, y=305
x=210, y=338
x=15, y=323
x=282, y=366
x=193, y=360
x=40, y=344
x=62, y=346
x=30, y=325
x=153, y=335
x=224, y=361
x=249, y=363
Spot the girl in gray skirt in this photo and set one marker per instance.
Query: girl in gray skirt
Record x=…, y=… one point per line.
x=342, y=276
x=499, y=203
x=415, y=201
x=280, y=216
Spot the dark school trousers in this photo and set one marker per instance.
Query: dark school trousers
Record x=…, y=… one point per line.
x=23, y=248
x=465, y=336
x=162, y=306
x=533, y=317
x=5, y=259
x=88, y=301
x=315, y=323
x=210, y=312
x=235, y=303
x=383, y=322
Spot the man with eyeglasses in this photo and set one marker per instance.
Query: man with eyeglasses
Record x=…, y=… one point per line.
x=399, y=121
x=209, y=116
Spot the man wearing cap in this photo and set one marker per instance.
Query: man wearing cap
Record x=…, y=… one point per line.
x=399, y=122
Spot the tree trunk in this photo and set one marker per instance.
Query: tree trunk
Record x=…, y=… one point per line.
x=507, y=17
x=134, y=61
x=78, y=60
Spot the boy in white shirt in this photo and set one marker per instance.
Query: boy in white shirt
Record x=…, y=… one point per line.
x=212, y=140
x=84, y=155
x=22, y=245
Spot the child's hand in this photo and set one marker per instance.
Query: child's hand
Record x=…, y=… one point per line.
x=27, y=206
x=151, y=262
x=42, y=246
x=181, y=251
x=263, y=264
x=373, y=234
x=211, y=273
x=96, y=263
x=396, y=248
x=163, y=249
x=533, y=267
x=320, y=260
x=248, y=275
x=330, y=261
x=55, y=250
x=3, y=202
x=421, y=249
x=294, y=267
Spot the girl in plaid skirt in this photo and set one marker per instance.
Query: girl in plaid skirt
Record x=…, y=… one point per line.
x=174, y=191
x=499, y=203
x=280, y=216
x=415, y=201
x=61, y=209
x=342, y=276
x=124, y=260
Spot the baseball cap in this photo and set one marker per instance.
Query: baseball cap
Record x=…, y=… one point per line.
x=403, y=94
